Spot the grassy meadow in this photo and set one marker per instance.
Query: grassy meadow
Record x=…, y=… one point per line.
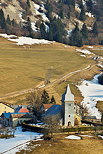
x=23, y=67
x=61, y=145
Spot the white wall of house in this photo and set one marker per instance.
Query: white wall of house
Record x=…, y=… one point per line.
x=17, y=121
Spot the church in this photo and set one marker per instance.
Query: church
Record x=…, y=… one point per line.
x=65, y=113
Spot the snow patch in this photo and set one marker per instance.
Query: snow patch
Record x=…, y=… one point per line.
x=89, y=14
x=82, y=55
x=29, y=41
x=37, y=7
x=92, y=92
x=69, y=32
x=90, y=47
x=100, y=136
x=25, y=40
x=86, y=135
x=34, y=27
x=8, y=36
x=20, y=16
x=19, y=142
x=74, y=137
x=84, y=51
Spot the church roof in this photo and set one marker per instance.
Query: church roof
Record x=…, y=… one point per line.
x=54, y=110
x=47, y=106
x=68, y=96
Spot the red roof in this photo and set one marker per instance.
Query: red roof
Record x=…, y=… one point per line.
x=47, y=106
x=23, y=110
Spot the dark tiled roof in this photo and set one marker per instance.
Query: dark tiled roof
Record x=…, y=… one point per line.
x=54, y=110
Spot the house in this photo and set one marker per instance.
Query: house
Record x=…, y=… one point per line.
x=5, y=108
x=20, y=117
x=6, y=120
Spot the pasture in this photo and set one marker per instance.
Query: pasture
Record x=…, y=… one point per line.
x=24, y=67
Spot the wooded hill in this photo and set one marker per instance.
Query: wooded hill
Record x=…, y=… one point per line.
x=74, y=22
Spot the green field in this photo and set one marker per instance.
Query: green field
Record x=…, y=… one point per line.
x=23, y=67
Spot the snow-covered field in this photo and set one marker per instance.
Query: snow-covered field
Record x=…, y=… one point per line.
x=92, y=92
x=25, y=40
x=19, y=142
x=29, y=41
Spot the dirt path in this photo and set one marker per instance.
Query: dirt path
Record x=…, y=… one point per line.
x=15, y=94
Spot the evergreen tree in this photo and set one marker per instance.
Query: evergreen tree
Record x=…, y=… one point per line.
x=13, y=22
x=53, y=100
x=68, y=15
x=49, y=9
x=76, y=38
x=89, y=5
x=43, y=30
x=69, y=2
x=2, y=20
x=58, y=30
x=45, y=97
x=61, y=14
x=50, y=34
x=95, y=28
x=100, y=79
x=84, y=31
x=29, y=28
x=28, y=3
x=82, y=14
x=8, y=21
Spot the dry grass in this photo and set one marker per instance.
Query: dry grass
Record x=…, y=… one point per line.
x=64, y=146
x=23, y=67
x=73, y=81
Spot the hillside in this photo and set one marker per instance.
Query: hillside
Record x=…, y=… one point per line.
x=74, y=22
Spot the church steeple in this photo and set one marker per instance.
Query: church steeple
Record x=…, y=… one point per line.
x=68, y=106
x=69, y=96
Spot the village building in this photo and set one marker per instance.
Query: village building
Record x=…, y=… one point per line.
x=5, y=108
x=6, y=120
x=20, y=117
x=68, y=107
x=66, y=114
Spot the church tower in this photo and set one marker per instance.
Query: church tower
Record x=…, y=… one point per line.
x=68, y=106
